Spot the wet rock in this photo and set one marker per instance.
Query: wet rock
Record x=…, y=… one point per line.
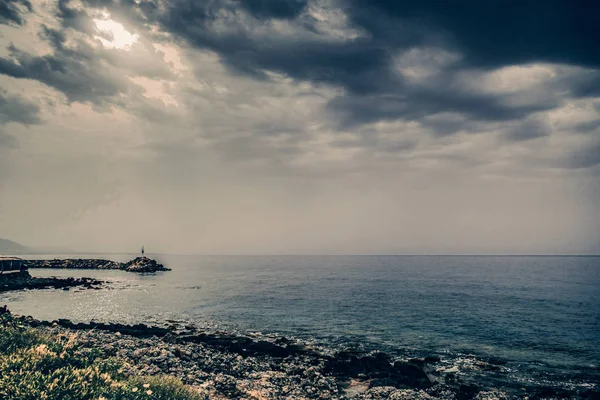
x=411, y=375
x=551, y=393
x=379, y=369
x=143, y=264
x=467, y=392
x=349, y=364
x=25, y=281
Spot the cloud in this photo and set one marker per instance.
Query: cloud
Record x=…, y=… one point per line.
x=395, y=62
x=529, y=130
x=11, y=11
x=288, y=9
x=16, y=109
x=82, y=67
x=552, y=31
x=69, y=72
x=391, y=62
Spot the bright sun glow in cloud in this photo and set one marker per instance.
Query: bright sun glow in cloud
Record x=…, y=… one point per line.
x=118, y=36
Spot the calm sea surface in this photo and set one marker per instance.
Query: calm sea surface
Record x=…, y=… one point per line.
x=539, y=313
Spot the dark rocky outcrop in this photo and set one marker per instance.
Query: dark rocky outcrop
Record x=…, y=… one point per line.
x=143, y=264
x=23, y=281
x=378, y=367
x=139, y=264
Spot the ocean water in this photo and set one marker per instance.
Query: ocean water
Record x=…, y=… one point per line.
x=539, y=314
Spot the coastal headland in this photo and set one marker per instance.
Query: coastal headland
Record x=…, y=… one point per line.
x=21, y=279
x=218, y=365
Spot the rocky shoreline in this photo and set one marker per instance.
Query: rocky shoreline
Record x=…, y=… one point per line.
x=139, y=264
x=226, y=366
x=22, y=281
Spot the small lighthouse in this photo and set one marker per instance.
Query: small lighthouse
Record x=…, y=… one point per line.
x=142, y=250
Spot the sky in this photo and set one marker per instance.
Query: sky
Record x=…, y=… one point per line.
x=301, y=126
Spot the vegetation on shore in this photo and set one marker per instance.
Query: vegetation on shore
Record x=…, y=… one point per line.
x=36, y=366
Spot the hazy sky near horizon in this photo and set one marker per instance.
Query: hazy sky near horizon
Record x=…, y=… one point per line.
x=301, y=126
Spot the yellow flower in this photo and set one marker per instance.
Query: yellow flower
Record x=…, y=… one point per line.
x=148, y=392
x=146, y=385
x=134, y=389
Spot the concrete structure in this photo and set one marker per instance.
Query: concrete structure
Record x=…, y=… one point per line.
x=11, y=264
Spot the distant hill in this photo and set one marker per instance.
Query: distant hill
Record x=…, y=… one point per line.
x=10, y=247
x=14, y=248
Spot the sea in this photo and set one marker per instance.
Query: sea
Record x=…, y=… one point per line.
x=537, y=316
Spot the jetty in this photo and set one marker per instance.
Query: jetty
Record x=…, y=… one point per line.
x=139, y=264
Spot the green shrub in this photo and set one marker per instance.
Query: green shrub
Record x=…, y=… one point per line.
x=34, y=366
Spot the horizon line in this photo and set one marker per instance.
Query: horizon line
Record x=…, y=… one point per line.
x=325, y=254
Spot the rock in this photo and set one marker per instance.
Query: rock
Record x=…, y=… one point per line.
x=467, y=392
x=143, y=264
x=552, y=393
x=491, y=395
x=382, y=382
x=410, y=375
x=26, y=281
x=348, y=364
x=379, y=369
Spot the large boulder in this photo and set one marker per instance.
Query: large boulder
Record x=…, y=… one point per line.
x=143, y=264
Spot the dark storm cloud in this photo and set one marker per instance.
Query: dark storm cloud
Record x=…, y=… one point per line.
x=73, y=18
x=11, y=11
x=553, y=31
x=17, y=109
x=487, y=35
x=274, y=8
x=73, y=73
x=495, y=33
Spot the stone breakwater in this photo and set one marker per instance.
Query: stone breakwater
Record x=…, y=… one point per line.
x=139, y=264
x=23, y=281
x=226, y=366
